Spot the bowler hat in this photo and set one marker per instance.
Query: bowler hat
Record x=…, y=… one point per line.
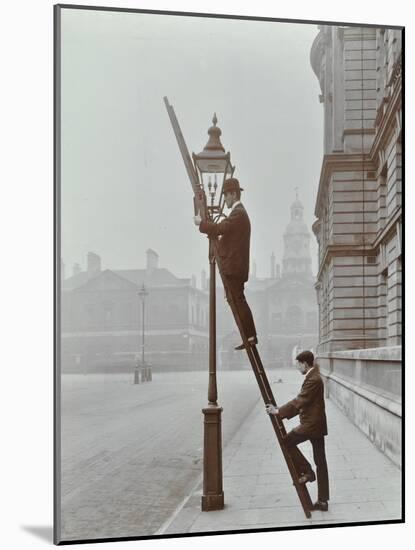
x=231, y=184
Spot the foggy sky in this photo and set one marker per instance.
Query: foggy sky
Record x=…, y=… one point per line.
x=124, y=185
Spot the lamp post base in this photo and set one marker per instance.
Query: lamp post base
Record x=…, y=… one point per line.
x=212, y=502
x=136, y=376
x=213, y=497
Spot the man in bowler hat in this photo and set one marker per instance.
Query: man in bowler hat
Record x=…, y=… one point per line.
x=234, y=234
x=309, y=404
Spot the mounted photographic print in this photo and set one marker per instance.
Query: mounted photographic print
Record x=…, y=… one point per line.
x=228, y=274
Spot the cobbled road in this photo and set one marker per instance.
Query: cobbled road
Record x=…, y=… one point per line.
x=131, y=453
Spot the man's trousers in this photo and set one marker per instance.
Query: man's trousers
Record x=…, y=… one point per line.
x=237, y=290
x=302, y=465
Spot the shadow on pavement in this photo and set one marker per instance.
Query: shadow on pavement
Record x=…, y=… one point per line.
x=44, y=532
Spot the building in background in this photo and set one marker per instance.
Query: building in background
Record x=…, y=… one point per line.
x=359, y=226
x=101, y=324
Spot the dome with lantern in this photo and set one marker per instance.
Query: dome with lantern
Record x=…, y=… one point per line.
x=297, y=224
x=297, y=257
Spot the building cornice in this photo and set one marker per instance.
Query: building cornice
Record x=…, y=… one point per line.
x=388, y=122
x=368, y=249
x=346, y=162
x=389, y=227
x=333, y=250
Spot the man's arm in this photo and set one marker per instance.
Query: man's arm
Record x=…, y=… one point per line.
x=306, y=395
x=227, y=225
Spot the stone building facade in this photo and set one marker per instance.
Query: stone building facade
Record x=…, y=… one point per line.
x=101, y=319
x=359, y=226
x=358, y=206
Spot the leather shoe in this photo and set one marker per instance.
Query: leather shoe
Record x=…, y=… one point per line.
x=321, y=505
x=305, y=478
x=253, y=342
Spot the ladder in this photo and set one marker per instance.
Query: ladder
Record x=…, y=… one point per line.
x=200, y=206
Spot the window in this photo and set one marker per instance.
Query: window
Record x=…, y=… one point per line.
x=399, y=239
x=382, y=191
x=381, y=62
x=383, y=259
x=326, y=227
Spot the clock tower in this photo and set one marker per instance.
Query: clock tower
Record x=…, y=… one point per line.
x=297, y=258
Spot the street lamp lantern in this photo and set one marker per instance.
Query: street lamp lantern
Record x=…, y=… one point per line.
x=213, y=166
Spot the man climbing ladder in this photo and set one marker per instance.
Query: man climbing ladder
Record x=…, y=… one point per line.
x=234, y=232
x=309, y=405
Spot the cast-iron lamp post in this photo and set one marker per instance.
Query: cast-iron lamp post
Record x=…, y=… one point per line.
x=143, y=294
x=213, y=166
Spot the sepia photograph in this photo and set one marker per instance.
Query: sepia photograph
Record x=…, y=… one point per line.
x=228, y=274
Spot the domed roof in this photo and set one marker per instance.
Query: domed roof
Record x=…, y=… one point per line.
x=297, y=224
x=297, y=258
x=297, y=204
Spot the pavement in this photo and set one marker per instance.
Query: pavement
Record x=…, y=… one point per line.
x=365, y=486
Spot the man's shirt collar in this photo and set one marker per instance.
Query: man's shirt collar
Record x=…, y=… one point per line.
x=235, y=204
x=308, y=372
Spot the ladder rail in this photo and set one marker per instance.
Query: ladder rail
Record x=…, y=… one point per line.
x=267, y=394
x=200, y=203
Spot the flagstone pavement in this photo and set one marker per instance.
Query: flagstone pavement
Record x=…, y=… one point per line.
x=365, y=485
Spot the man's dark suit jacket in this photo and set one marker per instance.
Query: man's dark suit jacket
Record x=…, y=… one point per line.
x=309, y=404
x=234, y=243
